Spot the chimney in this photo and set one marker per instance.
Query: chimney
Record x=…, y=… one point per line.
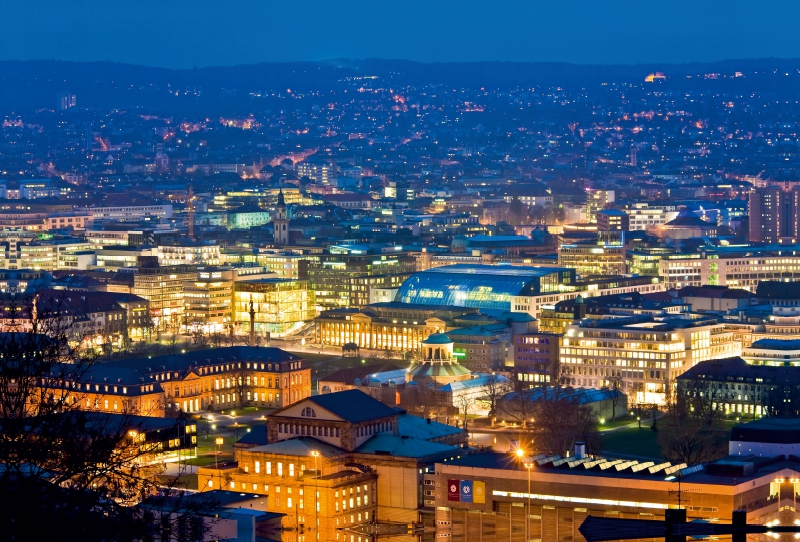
x=580, y=450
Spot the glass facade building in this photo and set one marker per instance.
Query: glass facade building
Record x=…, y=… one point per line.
x=486, y=287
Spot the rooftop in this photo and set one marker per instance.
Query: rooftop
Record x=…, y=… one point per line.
x=354, y=406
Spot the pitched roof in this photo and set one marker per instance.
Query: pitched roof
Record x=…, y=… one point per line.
x=421, y=428
x=300, y=446
x=353, y=406
x=405, y=447
x=349, y=374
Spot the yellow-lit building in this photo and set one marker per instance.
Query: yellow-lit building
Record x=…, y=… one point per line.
x=392, y=326
x=280, y=305
x=338, y=461
x=163, y=287
x=208, y=298
x=214, y=379
x=647, y=353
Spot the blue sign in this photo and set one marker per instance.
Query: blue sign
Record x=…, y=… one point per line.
x=466, y=491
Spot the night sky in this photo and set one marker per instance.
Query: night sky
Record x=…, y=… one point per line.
x=182, y=34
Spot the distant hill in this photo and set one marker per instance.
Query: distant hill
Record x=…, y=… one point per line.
x=26, y=85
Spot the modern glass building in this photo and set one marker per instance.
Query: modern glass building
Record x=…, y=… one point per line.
x=486, y=287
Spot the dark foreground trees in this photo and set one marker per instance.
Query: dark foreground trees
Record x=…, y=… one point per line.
x=69, y=473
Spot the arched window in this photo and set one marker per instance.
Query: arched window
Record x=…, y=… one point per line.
x=309, y=413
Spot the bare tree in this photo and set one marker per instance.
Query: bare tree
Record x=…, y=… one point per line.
x=560, y=421
x=613, y=385
x=88, y=472
x=496, y=387
x=689, y=440
x=518, y=404
x=420, y=400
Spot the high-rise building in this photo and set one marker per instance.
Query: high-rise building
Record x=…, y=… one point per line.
x=775, y=216
x=65, y=100
x=597, y=200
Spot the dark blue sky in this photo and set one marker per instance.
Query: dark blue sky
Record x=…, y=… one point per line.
x=178, y=33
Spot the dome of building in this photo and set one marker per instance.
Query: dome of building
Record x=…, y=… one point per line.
x=437, y=338
x=441, y=373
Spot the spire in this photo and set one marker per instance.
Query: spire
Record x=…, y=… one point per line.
x=281, y=200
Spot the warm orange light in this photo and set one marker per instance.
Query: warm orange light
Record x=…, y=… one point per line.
x=780, y=480
x=520, y=452
x=219, y=441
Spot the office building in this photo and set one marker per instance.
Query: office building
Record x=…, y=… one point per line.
x=281, y=305
x=344, y=276
x=774, y=216
x=646, y=352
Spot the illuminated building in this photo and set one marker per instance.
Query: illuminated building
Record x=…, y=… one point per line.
x=392, y=326
x=122, y=234
x=482, y=348
x=130, y=213
x=755, y=384
x=596, y=200
x=645, y=261
x=536, y=356
x=188, y=253
x=344, y=276
x=535, y=305
x=52, y=255
x=647, y=352
x=603, y=256
x=113, y=258
x=339, y=460
x=208, y=299
x=281, y=305
x=642, y=215
x=735, y=271
x=280, y=223
x=485, y=287
x=774, y=216
x=533, y=497
x=317, y=169
x=163, y=287
x=612, y=220
x=214, y=379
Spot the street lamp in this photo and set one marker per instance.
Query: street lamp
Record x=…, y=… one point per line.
x=529, y=466
x=218, y=442
x=316, y=502
x=520, y=453
x=794, y=482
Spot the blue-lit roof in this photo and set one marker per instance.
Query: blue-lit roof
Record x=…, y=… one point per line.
x=777, y=344
x=486, y=287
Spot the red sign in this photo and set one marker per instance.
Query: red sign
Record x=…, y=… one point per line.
x=453, y=490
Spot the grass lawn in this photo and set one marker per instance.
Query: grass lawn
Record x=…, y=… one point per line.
x=623, y=420
x=634, y=441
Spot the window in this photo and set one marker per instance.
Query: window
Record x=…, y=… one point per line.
x=309, y=413
x=258, y=467
x=280, y=469
x=291, y=469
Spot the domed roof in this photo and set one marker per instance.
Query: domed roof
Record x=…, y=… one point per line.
x=437, y=338
x=579, y=300
x=432, y=370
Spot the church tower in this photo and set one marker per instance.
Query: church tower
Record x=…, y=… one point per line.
x=281, y=222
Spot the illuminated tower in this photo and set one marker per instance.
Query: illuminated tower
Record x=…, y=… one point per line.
x=281, y=222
